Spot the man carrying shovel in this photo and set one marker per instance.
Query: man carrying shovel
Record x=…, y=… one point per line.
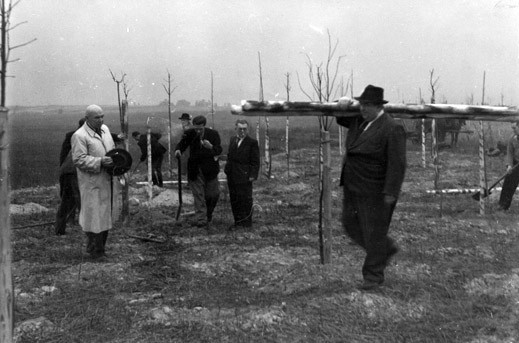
x=512, y=176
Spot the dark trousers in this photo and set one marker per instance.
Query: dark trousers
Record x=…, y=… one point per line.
x=156, y=170
x=366, y=221
x=205, y=195
x=240, y=196
x=70, y=201
x=96, y=243
x=509, y=187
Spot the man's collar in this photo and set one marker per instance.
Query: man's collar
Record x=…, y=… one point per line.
x=93, y=131
x=371, y=122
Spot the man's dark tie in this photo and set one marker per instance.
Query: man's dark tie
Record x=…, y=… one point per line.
x=363, y=126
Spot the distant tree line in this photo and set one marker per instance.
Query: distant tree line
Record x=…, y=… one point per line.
x=185, y=103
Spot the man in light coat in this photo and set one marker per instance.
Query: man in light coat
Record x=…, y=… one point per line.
x=90, y=143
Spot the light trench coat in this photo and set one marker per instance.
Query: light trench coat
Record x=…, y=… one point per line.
x=99, y=201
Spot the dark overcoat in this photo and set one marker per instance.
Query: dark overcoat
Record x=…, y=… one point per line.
x=375, y=159
x=201, y=158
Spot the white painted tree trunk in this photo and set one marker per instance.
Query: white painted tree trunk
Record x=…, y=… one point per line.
x=6, y=280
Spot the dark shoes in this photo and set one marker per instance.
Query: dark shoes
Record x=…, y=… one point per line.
x=369, y=285
x=392, y=252
x=235, y=227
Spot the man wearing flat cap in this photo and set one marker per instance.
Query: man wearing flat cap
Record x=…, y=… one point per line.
x=90, y=143
x=372, y=174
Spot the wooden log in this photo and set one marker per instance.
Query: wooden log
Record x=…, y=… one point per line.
x=455, y=191
x=344, y=108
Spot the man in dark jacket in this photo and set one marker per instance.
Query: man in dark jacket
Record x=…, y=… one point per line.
x=372, y=175
x=512, y=177
x=242, y=168
x=157, y=154
x=202, y=167
x=68, y=185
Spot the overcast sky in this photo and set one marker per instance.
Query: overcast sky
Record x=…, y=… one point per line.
x=393, y=44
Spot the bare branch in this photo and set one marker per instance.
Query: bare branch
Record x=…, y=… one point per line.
x=15, y=26
x=21, y=45
x=302, y=89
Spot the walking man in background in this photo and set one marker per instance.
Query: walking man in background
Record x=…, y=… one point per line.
x=512, y=177
x=372, y=174
x=90, y=143
x=202, y=168
x=242, y=169
x=157, y=154
x=68, y=185
x=185, y=120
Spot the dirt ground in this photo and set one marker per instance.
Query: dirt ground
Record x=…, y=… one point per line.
x=456, y=278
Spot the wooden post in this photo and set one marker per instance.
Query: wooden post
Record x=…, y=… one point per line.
x=212, y=100
x=287, y=142
x=259, y=143
x=482, y=169
x=150, y=171
x=327, y=200
x=268, y=163
x=436, y=162
x=287, y=147
x=424, y=164
x=341, y=132
x=125, y=210
x=6, y=281
x=482, y=164
x=170, y=161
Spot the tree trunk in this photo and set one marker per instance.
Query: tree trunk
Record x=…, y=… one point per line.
x=327, y=199
x=150, y=171
x=268, y=162
x=6, y=281
x=482, y=169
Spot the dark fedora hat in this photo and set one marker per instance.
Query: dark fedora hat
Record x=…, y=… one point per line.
x=373, y=95
x=122, y=161
x=185, y=116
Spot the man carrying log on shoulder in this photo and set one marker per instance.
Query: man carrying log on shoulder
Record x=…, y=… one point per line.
x=372, y=174
x=512, y=177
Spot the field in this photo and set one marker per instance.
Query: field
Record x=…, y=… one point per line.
x=456, y=278
x=37, y=135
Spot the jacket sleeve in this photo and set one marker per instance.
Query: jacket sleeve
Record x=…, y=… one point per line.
x=396, y=160
x=346, y=121
x=65, y=148
x=510, y=152
x=142, y=143
x=217, y=147
x=254, y=159
x=82, y=160
x=185, y=141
